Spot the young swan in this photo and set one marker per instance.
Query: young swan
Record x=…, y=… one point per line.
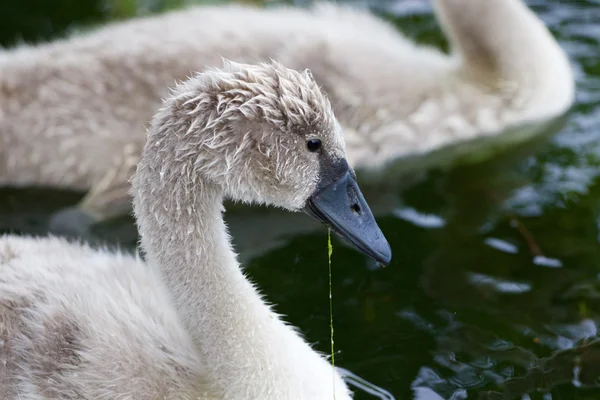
x=77, y=323
x=72, y=112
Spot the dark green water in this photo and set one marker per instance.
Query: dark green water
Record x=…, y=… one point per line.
x=469, y=307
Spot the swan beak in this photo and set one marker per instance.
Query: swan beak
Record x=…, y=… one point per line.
x=340, y=205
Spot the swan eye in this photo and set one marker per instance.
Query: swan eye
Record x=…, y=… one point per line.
x=313, y=145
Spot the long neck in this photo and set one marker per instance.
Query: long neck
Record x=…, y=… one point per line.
x=501, y=39
x=248, y=350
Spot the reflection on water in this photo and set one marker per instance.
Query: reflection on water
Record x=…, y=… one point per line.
x=494, y=289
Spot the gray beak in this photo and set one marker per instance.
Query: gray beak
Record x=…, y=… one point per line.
x=339, y=204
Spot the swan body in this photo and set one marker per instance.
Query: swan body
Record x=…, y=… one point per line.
x=83, y=323
x=72, y=112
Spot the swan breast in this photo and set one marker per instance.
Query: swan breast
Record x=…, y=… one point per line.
x=62, y=336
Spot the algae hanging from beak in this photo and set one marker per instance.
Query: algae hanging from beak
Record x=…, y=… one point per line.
x=329, y=252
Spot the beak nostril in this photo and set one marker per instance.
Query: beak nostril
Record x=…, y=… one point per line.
x=354, y=202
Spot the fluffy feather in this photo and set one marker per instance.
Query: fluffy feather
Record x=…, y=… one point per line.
x=78, y=323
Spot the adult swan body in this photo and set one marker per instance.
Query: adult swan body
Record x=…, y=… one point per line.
x=78, y=323
x=72, y=112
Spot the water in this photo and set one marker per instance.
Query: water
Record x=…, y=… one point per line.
x=494, y=286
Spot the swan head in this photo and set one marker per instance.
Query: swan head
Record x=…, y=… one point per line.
x=266, y=134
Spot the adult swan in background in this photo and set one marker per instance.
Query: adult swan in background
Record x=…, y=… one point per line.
x=72, y=112
x=77, y=323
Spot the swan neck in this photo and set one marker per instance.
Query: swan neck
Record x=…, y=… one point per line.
x=498, y=39
x=245, y=346
x=188, y=245
x=189, y=248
